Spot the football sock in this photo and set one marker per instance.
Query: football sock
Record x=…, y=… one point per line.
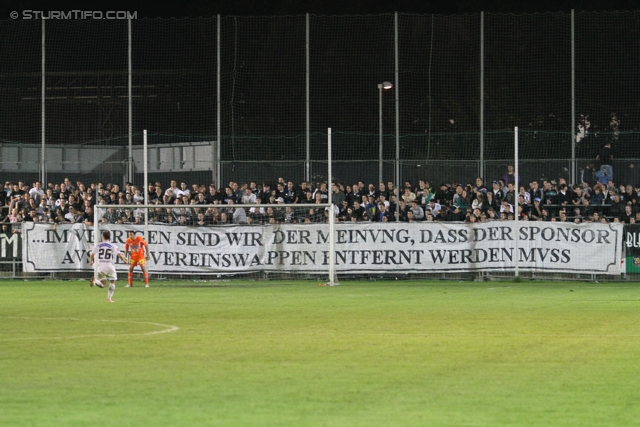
x=131, y=277
x=146, y=277
x=112, y=289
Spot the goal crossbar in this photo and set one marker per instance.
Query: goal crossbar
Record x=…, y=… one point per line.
x=100, y=210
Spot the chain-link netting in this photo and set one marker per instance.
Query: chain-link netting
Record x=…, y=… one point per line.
x=460, y=86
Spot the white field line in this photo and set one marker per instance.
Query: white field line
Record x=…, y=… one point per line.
x=168, y=328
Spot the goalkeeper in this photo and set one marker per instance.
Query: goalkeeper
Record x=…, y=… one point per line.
x=137, y=252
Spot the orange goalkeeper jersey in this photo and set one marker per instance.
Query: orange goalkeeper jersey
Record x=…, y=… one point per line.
x=136, y=246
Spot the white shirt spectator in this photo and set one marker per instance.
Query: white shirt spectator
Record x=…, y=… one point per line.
x=36, y=193
x=239, y=216
x=182, y=191
x=433, y=207
x=502, y=209
x=254, y=210
x=248, y=198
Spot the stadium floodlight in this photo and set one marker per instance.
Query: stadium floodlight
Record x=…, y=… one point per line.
x=381, y=86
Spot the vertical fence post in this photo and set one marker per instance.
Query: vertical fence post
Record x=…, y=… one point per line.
x=130, y=118
x=397, y=77
x=217, y=160
x=332, y=281
x=516, y=203
x=43, y=177
x=145, y=168
x=573, y=100
x=481, y=95
x=380, y=153
x=307, y=163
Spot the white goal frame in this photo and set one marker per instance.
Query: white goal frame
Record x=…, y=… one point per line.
x=331, y=279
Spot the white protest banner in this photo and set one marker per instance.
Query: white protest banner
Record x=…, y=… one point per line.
x=360, y=247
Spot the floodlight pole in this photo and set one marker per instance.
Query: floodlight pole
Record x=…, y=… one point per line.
x=381, y=86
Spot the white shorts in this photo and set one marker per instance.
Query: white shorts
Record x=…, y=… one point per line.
x=107, y=271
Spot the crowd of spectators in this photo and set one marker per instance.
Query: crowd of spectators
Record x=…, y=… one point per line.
x=548, y=200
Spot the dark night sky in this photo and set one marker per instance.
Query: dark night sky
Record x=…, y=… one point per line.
x=204, y=8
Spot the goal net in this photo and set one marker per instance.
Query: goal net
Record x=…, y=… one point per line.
x=222, y=241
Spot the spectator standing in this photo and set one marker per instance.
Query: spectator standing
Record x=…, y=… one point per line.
x=137, y=195
x=301, y=192
x=408, y=196
x=589, y=174
x=173, y=187
x=265, y=193
x=64, y=190
x=478, y=202
x=182, y=191
x=491, y=202
x=391, y=189
x=213, y=197
x=17, y=192
x=358, y=210
x=563, y=198
x=382, y=191
x=151, y=193
x=617, y=206
x=253, y=186
x=630, y=196
x=230, y=195
x=290, y=193
x=308, y=197
x=597, y=198
x=337, y=196
x=535, y=192
x=454, y=214
x=373, y=192
x=402, y=211
x=576, y=198
x=418, y=212
x=498, y=193
x=280, y=190
x=383, y=214
x=510, y=194
x=480, y=188
x=426, y=197
x=628, y=215
x=392, y=206
x=509, y=176
x=605, y=158
x=356, y=194
x=248, y=198
x=37, y=192
x=323, y=192
x=433, y=207
x=237, y=190
x=443, y=194
x=462, y=201
x=239, y=216
x=549, y=193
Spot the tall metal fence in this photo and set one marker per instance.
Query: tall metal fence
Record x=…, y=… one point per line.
x=251, y=98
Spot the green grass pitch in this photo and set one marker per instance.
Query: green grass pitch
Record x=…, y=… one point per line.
x=401, y=353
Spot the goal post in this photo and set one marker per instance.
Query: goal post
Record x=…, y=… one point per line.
x=285, y=240
x=332, y=218
x=259, y=241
